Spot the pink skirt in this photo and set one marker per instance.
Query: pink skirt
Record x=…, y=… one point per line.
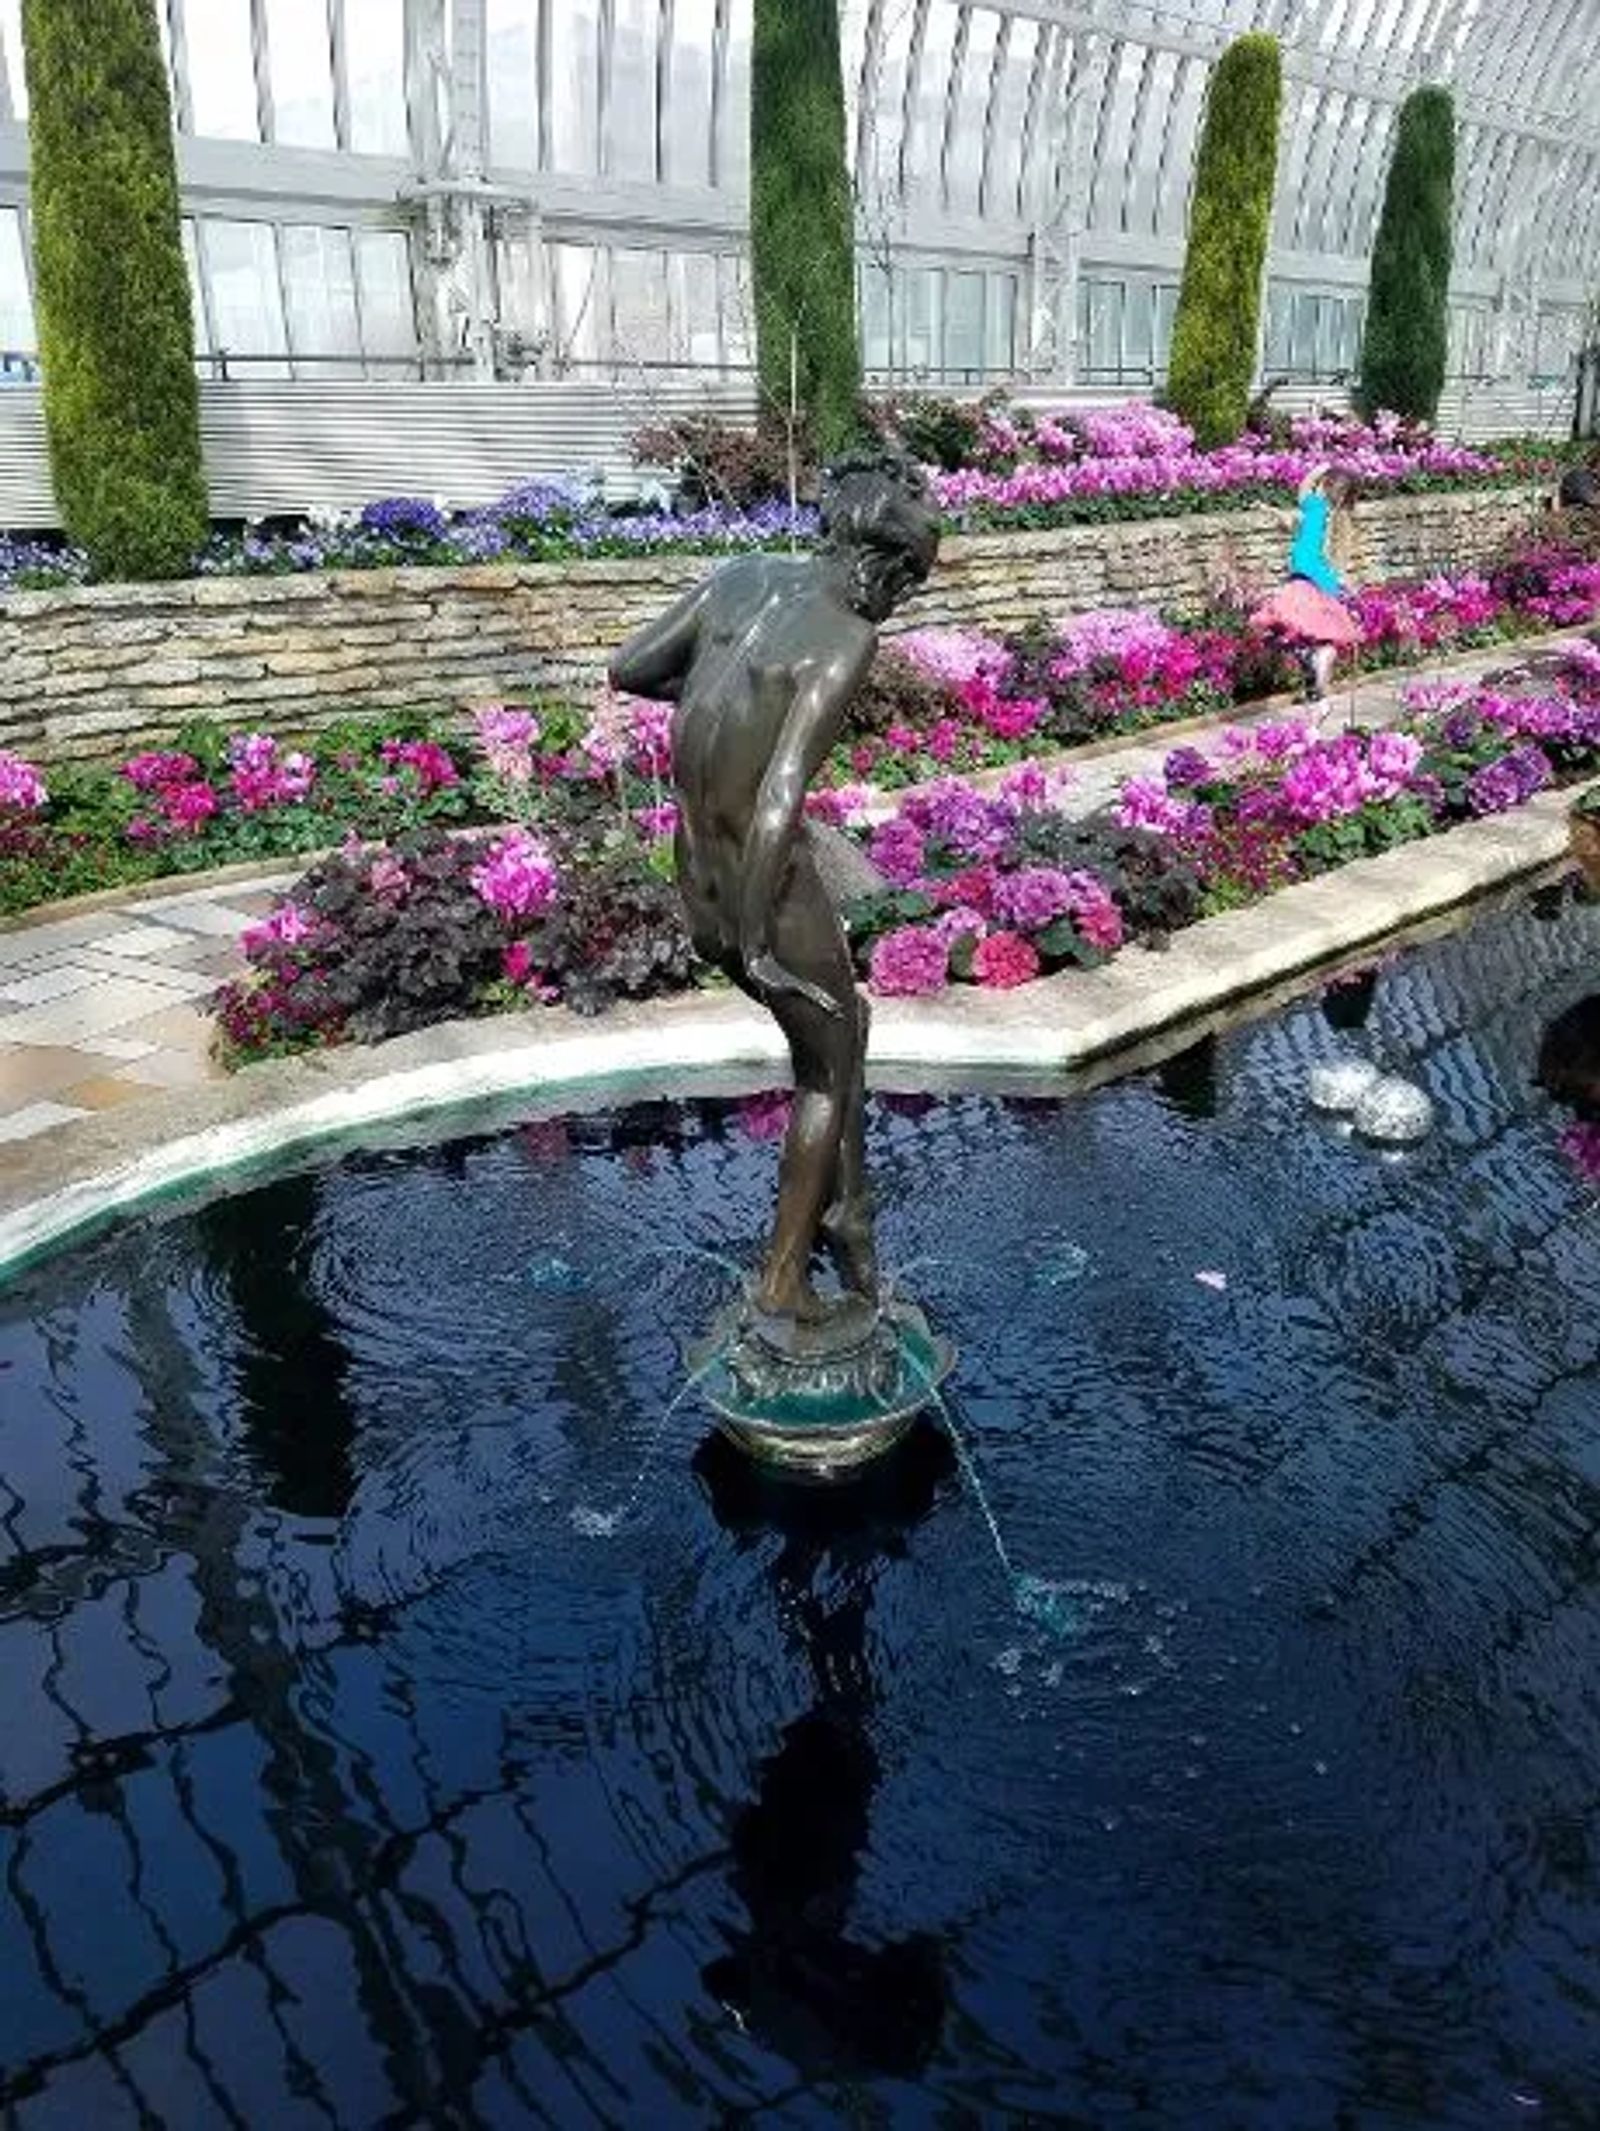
x=1300, y=610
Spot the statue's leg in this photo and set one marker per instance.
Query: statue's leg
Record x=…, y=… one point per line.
x=847, y=1224
x=827, y=1053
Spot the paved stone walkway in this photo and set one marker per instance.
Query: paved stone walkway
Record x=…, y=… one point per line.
x=103, y=1008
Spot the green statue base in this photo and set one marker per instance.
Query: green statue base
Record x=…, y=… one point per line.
x=817, y=1400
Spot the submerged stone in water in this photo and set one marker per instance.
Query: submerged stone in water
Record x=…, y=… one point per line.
x=1340, y=1085
x=1394, y=1112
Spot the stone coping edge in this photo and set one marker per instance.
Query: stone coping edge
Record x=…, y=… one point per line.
x=70, y=1180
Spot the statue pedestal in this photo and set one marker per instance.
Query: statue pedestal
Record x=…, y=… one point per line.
x=817, y=1400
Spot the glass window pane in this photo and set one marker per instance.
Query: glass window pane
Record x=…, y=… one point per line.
x=963, y=324
x=242, y=275
x=1105, y=329
x=926, y=140
x=17, y=335
x=383, y=275
x=1166, y=311
x=374, y=44
x=733, y=161
x=579, y=296
x=510, y=30
x=1010, y=120
x=1000, y=325
x=687, y=119
x=575, y=101
x=302, y=73
x=1137, y=337
x=964, y=145
x=11, y=53
x=921, y=308
x=639, y=307
x=738, y=316
x=632, y=112
x=320, y=287
x=222, y=70
x=874, y=317
x=191, y=259
x=698, y=337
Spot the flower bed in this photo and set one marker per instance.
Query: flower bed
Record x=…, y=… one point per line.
x=1015, y=469
x=1052, y=469
x=990, y=888
x=953, y=701
x=940, y=703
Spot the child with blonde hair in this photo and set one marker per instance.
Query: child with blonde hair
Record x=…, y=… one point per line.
x=1309, y=609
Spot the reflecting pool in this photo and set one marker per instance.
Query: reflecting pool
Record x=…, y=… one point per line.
x=412, y=1714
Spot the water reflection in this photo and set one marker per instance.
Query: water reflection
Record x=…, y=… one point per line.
x=1569, y=1058
x=1189, y=1080
x=291, y=1363
x=798, y=1977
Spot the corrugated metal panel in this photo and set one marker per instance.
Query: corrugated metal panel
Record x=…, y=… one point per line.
x=291, y=445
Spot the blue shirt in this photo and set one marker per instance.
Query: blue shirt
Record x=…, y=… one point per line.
x=1308, y=557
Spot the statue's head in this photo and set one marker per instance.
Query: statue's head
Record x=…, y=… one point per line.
x=878, y=519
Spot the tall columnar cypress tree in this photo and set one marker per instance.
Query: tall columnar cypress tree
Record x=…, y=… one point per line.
x=115, y=324
x=802, y=226
x=1406, y=342
x=1213, y=354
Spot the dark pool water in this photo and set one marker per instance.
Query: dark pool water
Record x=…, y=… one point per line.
x=367, y=1759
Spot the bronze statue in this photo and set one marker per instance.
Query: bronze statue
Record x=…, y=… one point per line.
x=762, y=659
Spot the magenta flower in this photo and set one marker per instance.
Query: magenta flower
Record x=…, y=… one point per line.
x=287, y=926
x=429, y=763
x=517, y=878
x=156, y=769
x=656, y=823
x=22, y=789
x=909, y=962
x=188, y=807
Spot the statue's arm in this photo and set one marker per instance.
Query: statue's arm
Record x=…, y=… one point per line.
x=655, y=659
x=813, y=718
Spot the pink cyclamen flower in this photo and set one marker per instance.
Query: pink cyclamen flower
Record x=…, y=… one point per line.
x=657, y=823
x=188, y=807
x=1003, y=960
x=507, y=737
x=909, y=962
x=287, y=926
x=517, y=878
x=22, y=789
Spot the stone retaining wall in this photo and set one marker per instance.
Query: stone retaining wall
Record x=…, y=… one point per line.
x=95, y=672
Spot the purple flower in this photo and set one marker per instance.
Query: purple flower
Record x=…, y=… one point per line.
x=953, y=814
x=1187, y=766
x=909, y=963
x=1033, y=897
x=405, y=518
x=1508, y=782
x=898, y=851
